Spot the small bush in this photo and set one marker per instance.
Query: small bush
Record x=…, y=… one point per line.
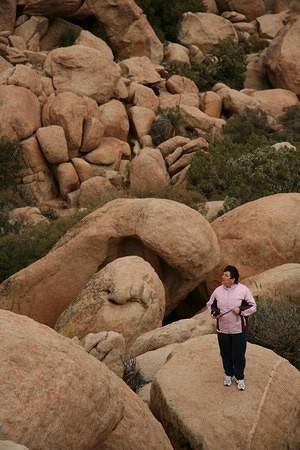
x=245, y=171
x=276, y=326
x=67, y=37
x=19, y=250
x=290, y=121
x=227, y=64
x=10, y=162
x=132, y=375
x=254, y=44
x=165, y=16
x=251, y=122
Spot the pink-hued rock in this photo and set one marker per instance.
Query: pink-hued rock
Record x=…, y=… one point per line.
x=26, y=77
x=67, y=178
x=53, y=144
x=211, y=104
x=251, y=10
x=267, y=232
x=270, y=25
x=20, y=112
x=143, y=96
x=109, y=151
x=188, y=397
x=140, y=69
x=177, y=241
x=59, y=414
x=92, y=134
x=76, y=402
x=83, y=168
x=48, y=7
x=114, y=118
x=84, y=71
x=274, y=101
x=142, y=119
x=32, y=30
x=126, y=296
x=70, y=111
x=279, y=283
x=177, y=84
x=148, y=170
x=8, y=10
x=138, y=430
x=128, y=30
x=90, y=40
x=92, y=190
x=174, y=101
x=198, y=119
x=205, y=30
x=177, y=55
x=282, y=59
x=42, y=186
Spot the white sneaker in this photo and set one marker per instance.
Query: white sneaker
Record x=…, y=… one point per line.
x=241, y=385
x=227, y=381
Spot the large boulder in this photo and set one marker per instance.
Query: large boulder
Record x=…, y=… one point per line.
x=20, y=112
x=39, y=185
x=90, y=40
x=188, y=397
x=282, y=59
x=114, y=118
x=8, y=10
x=148, y=170
x=73, y=113
x=274, y=101
x=258, y=235
x=126, y=296
x=279, y=283
x=173, y=333
x=177, y=241
x=54, y=395
x=51, y=7
x=138, y=430
x=84, y=71
x=251, y=10
x=205, y=30
x=60, y=413
x=128, y=30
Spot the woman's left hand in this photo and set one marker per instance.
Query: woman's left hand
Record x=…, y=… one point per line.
x=236, y=310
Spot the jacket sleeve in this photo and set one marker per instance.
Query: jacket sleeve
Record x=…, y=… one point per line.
x=248, y=305
x=210, y=301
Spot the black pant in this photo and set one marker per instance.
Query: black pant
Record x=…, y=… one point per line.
x=232, y=350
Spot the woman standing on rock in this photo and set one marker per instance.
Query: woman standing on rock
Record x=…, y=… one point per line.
x=230, y=304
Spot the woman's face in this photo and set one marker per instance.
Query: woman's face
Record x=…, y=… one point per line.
x=226, y=280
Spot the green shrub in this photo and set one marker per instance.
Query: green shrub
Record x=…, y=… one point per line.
x=67, y=37
x=165, y=16
x=227, y=64
x=264, y=172
x=19, y=250
x=245, y=171
x=254, y=44
x=276, y=326
x=290, y=121
x=132, y=375
x=251, y=122
x=10, y=162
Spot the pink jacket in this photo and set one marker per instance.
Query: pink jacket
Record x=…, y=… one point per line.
x=228, y=298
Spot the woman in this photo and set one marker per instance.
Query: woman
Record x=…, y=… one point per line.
x=230, y=304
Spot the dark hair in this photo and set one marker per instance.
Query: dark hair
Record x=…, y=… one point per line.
x=234, y=273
